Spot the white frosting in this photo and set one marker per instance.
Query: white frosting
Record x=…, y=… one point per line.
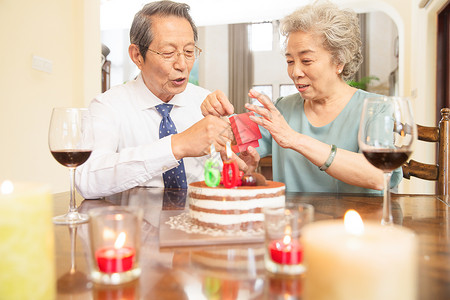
x=238, y=205
x=224, y=219
x=217, y=192
x=233, y=205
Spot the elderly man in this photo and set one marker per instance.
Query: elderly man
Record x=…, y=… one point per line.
x=150, y=131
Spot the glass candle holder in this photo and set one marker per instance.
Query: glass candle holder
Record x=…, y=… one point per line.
x=283, y=227
x=115, y=237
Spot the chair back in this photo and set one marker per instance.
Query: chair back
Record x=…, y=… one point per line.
x=437, y=172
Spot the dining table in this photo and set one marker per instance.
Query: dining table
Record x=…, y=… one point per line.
x=235, y=269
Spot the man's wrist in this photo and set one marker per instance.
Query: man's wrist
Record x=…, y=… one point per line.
x=177, y=147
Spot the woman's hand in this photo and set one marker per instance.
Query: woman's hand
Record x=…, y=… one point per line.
x=247, y=160
x=217, y=104
x=271, y=119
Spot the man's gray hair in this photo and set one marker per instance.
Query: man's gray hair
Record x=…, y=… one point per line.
x=141, y=33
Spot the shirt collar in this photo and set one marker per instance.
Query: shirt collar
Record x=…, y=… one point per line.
x=146, y=99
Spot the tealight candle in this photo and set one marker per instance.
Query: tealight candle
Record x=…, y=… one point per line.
x=359, y=261
x=114, y=233
x=27, y=261
x=115, y=259
x=283, y=228
x=230, y=172
x=286, y=251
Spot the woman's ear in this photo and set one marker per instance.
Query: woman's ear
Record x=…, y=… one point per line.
x=135, y=55
x=340, y=68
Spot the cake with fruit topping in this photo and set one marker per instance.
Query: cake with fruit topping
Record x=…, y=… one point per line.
x=238, y=208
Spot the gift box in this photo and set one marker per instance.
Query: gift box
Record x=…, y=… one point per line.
x=246, y=132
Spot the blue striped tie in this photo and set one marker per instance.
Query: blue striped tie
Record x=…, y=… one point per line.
x=176, y=177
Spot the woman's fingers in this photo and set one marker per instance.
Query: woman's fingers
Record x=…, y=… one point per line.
x=259, y=110
x=263, y=99
x=242, y=165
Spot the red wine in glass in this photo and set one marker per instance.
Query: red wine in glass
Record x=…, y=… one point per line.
x=386, y=137
x=71, y=158
x=70, y=140
x=387, y=160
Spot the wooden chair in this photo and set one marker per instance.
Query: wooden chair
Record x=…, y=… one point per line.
x=439, y=171
x=265, y=167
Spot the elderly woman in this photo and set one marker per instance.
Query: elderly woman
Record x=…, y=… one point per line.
x=313, y=135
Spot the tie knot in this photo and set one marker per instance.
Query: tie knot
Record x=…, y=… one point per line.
x=164, y=109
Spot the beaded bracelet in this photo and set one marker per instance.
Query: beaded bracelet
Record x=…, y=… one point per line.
x=330, y=159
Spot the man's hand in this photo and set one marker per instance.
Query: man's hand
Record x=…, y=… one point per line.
x=197, y=139
x=217, y=104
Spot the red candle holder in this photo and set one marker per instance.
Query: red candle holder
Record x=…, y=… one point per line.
x=112, y=260
x=283, y=227
x=289, y=253
x=114, y=234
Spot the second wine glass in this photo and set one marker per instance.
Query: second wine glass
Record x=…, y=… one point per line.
x=387, y=135
x=71, y=140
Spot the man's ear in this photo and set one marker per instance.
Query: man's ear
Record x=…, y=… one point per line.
x=135, y=55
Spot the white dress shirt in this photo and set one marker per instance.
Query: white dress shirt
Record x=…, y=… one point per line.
x=128, y=151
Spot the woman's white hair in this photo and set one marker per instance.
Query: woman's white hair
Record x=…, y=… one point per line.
x=339, y=29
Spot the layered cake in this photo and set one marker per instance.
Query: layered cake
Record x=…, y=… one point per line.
x=237, y=208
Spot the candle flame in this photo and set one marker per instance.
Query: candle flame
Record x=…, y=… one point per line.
x=287, y=239
x=229, y=152
x=120, y=241
x=7, y=187
x=353, y=223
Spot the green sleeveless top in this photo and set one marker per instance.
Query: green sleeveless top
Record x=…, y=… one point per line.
x=297, y=172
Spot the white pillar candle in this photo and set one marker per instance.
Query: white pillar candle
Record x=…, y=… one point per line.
x=350, y=262
x=27, y=263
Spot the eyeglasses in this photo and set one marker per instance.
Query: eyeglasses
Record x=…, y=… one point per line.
x=173, y=56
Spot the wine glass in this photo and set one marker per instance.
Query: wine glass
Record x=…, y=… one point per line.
x=73, y=281
x=387, y=134
x=70, y=139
